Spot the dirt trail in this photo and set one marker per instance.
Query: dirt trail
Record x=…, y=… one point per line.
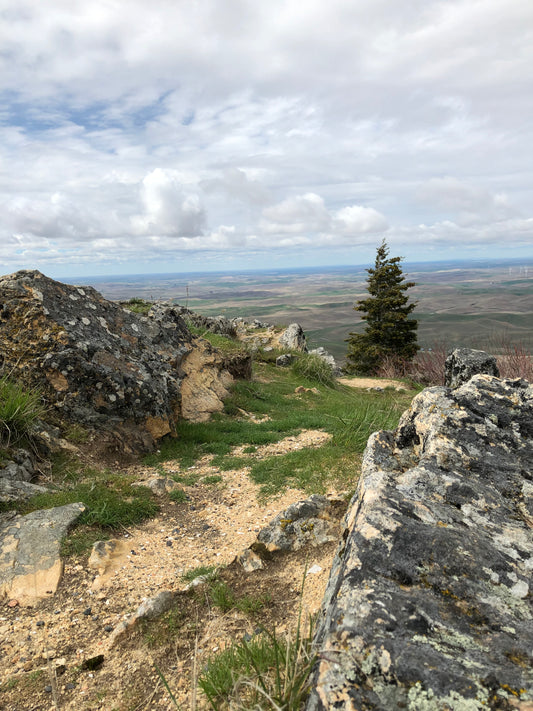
x=215, y=525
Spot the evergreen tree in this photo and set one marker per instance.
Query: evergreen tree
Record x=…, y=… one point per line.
x=388, y=331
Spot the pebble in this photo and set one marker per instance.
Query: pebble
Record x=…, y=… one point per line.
x=87, y=611
x=108, y=628
x=48, y=689
x=40, y=623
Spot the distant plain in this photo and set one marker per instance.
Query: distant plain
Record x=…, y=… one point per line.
x=478, y=304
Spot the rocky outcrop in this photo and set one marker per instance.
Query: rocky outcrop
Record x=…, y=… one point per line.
x=30, y=565
x=463, y=363
x=429, y=603
x=103, y=366
x=293, y=338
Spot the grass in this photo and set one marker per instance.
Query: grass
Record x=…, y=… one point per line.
x=178, y=496
x=20, y=408
x=113, y=501
x=267, y=672
x=202, y=570
x=314, y=369
x=138, y=306
x=349, y=415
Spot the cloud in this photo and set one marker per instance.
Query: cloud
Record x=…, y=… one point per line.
x=169, y=210
x=250, y=128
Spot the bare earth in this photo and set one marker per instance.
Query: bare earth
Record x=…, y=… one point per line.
x=372, y=383
x=216, y=524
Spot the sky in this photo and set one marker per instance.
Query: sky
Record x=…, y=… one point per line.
x=197, y=135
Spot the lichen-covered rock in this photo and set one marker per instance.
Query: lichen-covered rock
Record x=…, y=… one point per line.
x=99, y=364
x=293, y=338
x=463, y=363
x=313, y=521
x=429, y=602
x=321, y=352
x=30, y=565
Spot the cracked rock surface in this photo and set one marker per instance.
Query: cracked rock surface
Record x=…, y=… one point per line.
x=429, y=602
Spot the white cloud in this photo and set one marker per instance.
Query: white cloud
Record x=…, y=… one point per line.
x=245, y=127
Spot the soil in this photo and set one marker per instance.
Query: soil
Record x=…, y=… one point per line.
x=50, y=653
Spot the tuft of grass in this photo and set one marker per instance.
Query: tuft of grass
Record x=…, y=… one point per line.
x=20, y=408
x=178, y=496
x=137, y=305
x=77, y=434
x=314, y=369
x=267, y=672
x=212, y=479
x=222, y=596
x=207, y=570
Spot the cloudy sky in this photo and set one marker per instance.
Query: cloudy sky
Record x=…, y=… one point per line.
x=191, y=135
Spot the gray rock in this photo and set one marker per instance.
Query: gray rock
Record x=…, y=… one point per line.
x=463, y=363
x=429, y=602
x=285, y=360
x=18, y=490
x=20, y=469
x=30, y=565
x=308, y=522
x=103, y=366
x=293, y=338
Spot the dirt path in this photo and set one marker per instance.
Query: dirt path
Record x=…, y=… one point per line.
x=373, y=383
x=214, y=526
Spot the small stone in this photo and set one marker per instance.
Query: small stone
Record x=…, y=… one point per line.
x=108, y=628
x=87, y=611
x=40, y=623
x=169, y=543
x=48, y=689
x=13, y=603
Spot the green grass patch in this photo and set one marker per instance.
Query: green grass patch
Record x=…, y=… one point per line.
x=212, y=479
x=178, y=496
x=348, y=414
x=138, y=306
x=113, y=501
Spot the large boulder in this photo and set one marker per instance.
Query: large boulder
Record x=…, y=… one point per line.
x=101, y=365
x=293, y=338
x=429, y=602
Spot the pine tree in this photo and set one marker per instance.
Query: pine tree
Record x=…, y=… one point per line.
x=389, y=333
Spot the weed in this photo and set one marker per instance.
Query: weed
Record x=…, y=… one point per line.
x=251, y=605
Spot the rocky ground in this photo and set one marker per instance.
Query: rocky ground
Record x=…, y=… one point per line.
x=46, y=649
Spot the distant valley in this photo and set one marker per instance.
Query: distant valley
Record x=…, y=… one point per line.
x=477, y=304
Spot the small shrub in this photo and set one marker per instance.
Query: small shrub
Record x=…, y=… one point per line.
x=138, y=306
x=314, y=368
x=20, y=408
x=515, y=361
